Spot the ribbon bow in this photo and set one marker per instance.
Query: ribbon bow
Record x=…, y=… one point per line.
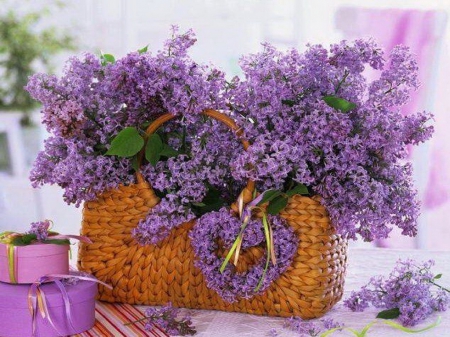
x=245, y=214
x=37, y=302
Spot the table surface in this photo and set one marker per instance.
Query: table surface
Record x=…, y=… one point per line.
x=362, y=264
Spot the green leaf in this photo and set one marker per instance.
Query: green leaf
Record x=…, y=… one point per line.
x=389, y=313
x=135, y=163
x=339, y=103
x=23, y=240
x=211, y=202
x=288, y=102
x=145, y=125
x=437, y=277
x=143, y=50
x=269, y=195
x=127, y=143
x=298, y=189
x=277, y=204
x=153, y=149
x=57, y=241
x=107, y=58
x=28, y=238
x=263, y=104
x=168, y=152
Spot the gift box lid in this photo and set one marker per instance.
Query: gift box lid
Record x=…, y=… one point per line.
x=15, y=296
x=36, y=249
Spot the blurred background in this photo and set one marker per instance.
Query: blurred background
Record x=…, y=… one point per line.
x=40, y=35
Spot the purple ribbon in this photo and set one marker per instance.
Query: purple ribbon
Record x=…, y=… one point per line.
x=38, y=303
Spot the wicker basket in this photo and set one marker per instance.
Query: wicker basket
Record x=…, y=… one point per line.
x=155, y=275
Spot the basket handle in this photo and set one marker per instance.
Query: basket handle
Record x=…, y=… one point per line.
x=248, y=190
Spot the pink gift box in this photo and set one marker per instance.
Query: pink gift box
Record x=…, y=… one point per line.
x=34, y=261
x=16, y=320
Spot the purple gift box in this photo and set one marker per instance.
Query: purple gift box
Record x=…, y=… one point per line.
x=33, y=261
x=16, y=319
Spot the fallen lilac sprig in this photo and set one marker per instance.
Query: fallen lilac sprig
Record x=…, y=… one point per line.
x=406, y=294
x=166, y=318
x=327, y=327
x=312, y=329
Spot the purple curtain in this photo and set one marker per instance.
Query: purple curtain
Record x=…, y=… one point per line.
x=422, y=31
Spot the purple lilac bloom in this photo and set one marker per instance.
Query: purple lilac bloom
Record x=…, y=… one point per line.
x=166, y=318
x=90, y=103
x=354, y=160
x=329, y=323
x=310, y=328
x=165, y=216
x=408, y=288
x=185, y=180
x=273, y=332
x=225, y=226
x=40, y=229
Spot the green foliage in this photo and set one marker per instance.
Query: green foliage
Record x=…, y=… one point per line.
x=278, y=200
x=24, y=240
x=127, y=143
x=269, y=195
x=389, y=313
x=211, y=202
x=298, y=189
x=107, y=58
x=56, y=241
x=153, y=149
x=339, y=103
x=277, y=204
x=156, y=149
x=288, y=102
x=25, y=49
x=143, y=50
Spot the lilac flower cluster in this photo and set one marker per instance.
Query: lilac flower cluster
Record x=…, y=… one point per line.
x=217, y=230
x=93, y=101
x=309, y=328
x=166, y=319
x=408, y=290
x=353, y=158
x=40, y=229
x=165, y=216
x=186, y=179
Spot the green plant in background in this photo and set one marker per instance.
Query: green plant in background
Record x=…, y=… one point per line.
x=25, y=48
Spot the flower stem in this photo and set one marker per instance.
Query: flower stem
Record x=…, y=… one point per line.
x=439, y=286
x=137, y=321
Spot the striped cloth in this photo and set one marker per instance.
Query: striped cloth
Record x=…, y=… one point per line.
x=110, y=320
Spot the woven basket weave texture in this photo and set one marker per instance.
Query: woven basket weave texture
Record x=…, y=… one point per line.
x=155, y=275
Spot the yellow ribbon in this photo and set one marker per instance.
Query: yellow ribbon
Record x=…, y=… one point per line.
x=11, y=253
x=6, y=238
x=237, y=245
x=245, y=222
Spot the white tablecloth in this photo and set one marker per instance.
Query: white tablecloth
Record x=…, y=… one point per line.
x=362, y=264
